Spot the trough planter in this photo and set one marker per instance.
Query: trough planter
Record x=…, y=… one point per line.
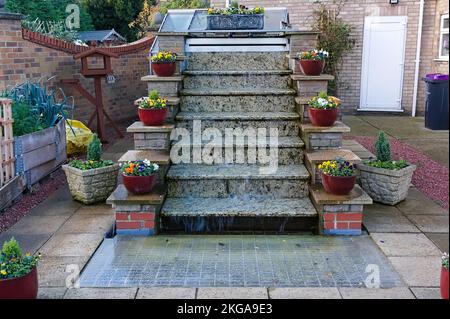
x=386, y=186
x=235, y=22
x=40, y=153
x=91, y=186
x=25, y=287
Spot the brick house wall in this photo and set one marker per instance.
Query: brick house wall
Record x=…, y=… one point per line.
x=22, y=60
x=301, y=16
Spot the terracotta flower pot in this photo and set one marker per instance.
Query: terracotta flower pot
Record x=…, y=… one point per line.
x=139, y=184
x=312, y=67
x=444, y=283
x=25, y=287
x=152, y=117
x=320, y=117
x=338, y=185
x=164, y=69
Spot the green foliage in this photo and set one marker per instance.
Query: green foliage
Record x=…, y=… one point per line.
x=117, y=14
x=444, y=260
x=12, y=263
x=183, y=4
x=235, y=8
x=383, y=148
x=335, y=37
x=87, y=165
x=94, y=149
x=46, y=107
x=53, y=29
x=391, y=165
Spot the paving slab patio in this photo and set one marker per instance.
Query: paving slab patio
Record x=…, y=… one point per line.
x=304, y=293
x=418, y=204
x=440, y=240
x=418, y=271
x=166, y=293
x=51, y=292
x=101, y=293
x=52, y=270
x=430, y=224
x=395, y=244
x=426, y=293
x=232, y=293
x=72, y=245
x=366, y=293
x=388, y=223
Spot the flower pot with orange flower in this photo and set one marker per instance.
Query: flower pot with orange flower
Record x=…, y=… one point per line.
x=444, y=277
x=139, y=177
x=152, y=110
x=164, y=63
x=312, y=62
x=18, y=273
x=323, y=109
x=338, y=176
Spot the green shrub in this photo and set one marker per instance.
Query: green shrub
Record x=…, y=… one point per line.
x=25, y=120
x=94, y=149
x=383, y=148
x=391, y=165
x=87, y=165
x=183, y=4
x=11, y=249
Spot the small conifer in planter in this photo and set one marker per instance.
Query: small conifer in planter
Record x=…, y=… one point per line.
x=385, y=180
x=94, y=179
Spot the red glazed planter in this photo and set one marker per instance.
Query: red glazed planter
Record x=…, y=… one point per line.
x=139, y=185
x=320, y=117
x=25, y=287
x=152, y=117
x=312, y=67
x=164, y=69
x=338, y=185
x=444, y=283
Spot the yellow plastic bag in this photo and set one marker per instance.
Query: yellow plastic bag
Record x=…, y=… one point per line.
x=77, y=144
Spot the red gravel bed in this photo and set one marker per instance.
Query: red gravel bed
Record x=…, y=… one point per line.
x=430, y=177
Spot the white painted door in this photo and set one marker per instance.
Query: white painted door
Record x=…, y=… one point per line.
x=383, y=63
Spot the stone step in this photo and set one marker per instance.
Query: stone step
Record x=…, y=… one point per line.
x=290, y=150
x=166, y=86
x=220, y=61
x=239, y=206
x=242, y=92
x=308, y=85
x=226, y=180
x=151, y=137
x=312, y=159
x=237, y=79
x=236, y=103
x=285, y=122
x=320, y=138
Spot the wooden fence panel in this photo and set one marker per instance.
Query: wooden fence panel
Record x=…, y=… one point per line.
x=7, y=159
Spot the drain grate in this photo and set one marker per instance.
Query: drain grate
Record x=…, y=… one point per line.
x=237, y=261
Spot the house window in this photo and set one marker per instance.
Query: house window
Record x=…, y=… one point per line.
x=443, y=40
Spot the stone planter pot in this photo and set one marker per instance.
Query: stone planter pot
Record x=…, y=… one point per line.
x=444, y=283
x=164, y=69
x=139, y=185
x=386, y=186
x=235, y=22
x=25, y=287
x=338, y=185
x=91, y=186
x=152, y=117
x=321, y=117
x=311, y=67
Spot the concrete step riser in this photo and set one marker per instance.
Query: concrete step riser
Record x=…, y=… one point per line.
x=223, y=188
x=286, y=156
x=247, y=103
x=237, y=81
x=231, y=61
x=285, y=127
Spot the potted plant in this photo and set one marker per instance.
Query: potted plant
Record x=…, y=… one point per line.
x=94, y=179
x=385, y=180
x=323, y=109
x=163, y=63
x=18, y=273
x=235, y=17
x=312, y=62
x=153, y=109
x=444, y=277
x=139, y=177
x=338, y=176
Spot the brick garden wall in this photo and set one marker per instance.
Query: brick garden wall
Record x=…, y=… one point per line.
x=354, y=12
x=21, y=60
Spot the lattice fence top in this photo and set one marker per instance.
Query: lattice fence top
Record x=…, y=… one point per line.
x=6, y=142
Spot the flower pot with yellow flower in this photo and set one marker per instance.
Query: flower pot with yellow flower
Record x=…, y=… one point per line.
x=152, y=110
x=91, y=180
x=235, y=17
x=323, y=109
x=139, y=177
x=163, y=63
x=338, y=176
x=312, y=62
x=18, y=273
